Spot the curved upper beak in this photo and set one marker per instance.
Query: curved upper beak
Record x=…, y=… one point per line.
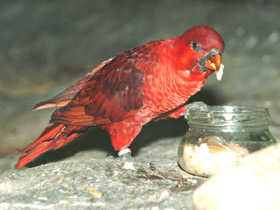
x=214, y=62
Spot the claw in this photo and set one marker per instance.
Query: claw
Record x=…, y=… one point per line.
x=129, y=162
x=197, y=105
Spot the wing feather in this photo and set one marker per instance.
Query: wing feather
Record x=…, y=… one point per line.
x=66, y=96
x=113, y=93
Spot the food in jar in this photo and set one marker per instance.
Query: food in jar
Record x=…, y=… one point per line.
x=209, y=155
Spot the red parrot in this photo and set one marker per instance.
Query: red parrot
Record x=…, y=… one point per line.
x=144, y=84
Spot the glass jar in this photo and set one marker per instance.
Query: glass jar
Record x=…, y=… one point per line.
x=221, y=136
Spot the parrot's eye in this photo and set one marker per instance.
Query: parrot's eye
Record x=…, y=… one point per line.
x=196, y=46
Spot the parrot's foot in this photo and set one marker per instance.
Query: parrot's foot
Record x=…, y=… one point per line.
x=124, y=155
x=129, y=161
x=198, y=105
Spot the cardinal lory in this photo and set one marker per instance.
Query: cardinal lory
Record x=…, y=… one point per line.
x=144, y=84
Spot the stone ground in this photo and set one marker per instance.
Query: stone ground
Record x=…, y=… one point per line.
x=46, y=46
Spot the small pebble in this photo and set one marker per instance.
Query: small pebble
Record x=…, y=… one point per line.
x=95, y=192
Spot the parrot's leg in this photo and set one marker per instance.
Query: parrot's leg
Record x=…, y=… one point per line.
x=126, y=152
x=124, y=155
x=198, y=105
x=122, y=134
x=184, y=110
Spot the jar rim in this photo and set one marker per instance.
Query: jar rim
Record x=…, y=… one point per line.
x=231, y=109
x=230, y=116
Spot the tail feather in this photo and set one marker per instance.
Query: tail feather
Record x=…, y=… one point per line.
x=49, y=133
x=53, y=137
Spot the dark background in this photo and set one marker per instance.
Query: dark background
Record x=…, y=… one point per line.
x=45, y=46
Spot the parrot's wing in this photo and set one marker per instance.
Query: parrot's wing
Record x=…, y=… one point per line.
x=66, y=96
x=76, y=115
x=111, y=95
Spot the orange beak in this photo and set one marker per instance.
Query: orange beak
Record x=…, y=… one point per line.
x=214, y=62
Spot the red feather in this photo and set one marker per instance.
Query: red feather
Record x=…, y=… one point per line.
x=53, y=137
x=66, y=96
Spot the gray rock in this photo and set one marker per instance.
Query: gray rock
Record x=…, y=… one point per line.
x=253, y=184
x=86, y=180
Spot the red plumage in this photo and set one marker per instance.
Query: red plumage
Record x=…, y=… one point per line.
x=150, y=82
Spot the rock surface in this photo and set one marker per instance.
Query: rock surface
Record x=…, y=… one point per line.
x=87, y=180
x=253, y=184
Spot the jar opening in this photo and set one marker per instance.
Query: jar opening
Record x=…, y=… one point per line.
x=230, y=116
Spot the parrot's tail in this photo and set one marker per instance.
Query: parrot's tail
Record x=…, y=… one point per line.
x=53, y=137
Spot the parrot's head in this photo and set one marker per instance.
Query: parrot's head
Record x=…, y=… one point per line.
x=199, y=50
